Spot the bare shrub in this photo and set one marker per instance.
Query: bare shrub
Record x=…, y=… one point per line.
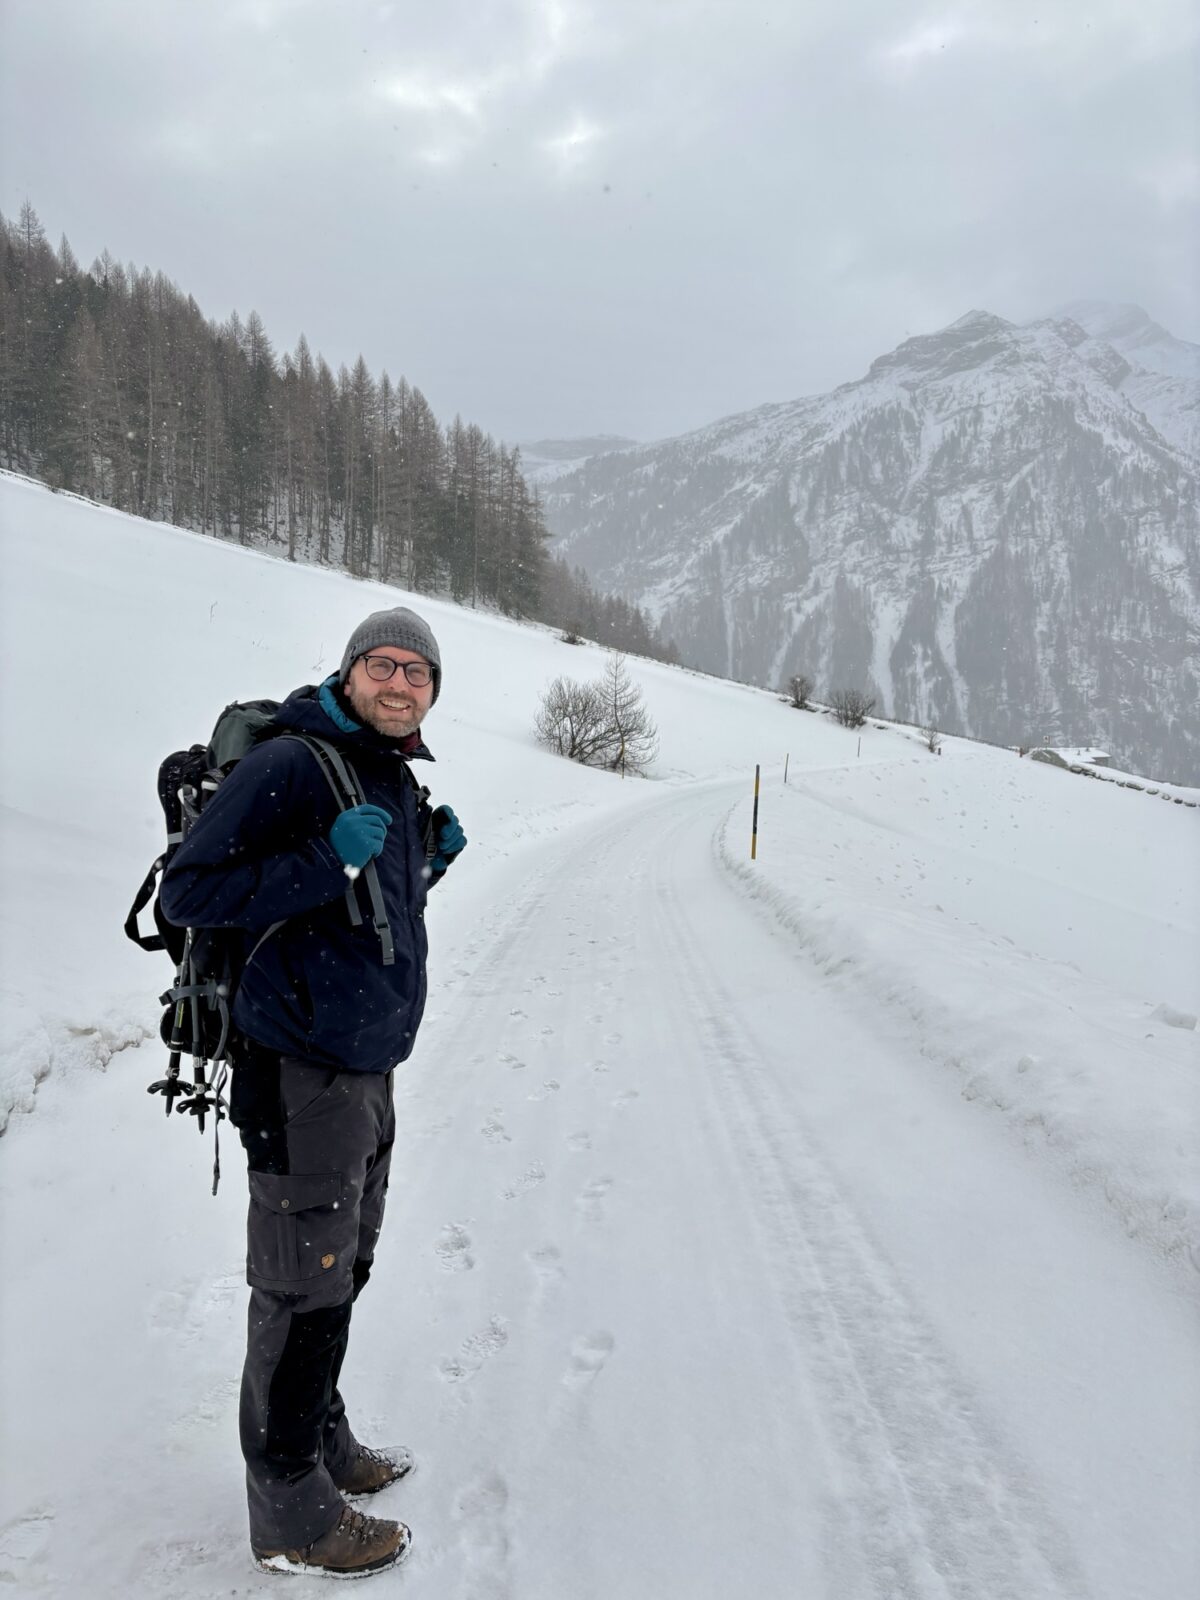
x=933, y=740
x=851, y=707
x=601, y=724
x=799, y=688
x=571, y=634
x=573, y=721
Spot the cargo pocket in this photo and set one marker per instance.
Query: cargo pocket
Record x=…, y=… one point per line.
x=299, y=1234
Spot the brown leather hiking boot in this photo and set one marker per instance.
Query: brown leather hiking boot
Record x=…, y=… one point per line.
x=354, y=1547
x=372, y=1470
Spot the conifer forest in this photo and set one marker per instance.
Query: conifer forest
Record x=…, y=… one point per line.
x=114, y=385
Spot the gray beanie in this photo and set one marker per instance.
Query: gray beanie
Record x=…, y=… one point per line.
x=401, y=628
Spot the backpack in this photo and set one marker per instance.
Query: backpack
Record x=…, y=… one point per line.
x=196, y=1021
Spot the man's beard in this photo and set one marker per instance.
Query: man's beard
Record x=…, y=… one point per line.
x=395, y=727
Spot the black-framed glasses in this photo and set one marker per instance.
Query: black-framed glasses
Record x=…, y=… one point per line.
x=381, y=668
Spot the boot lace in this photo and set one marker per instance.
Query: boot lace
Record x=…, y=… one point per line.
x=355, y=1524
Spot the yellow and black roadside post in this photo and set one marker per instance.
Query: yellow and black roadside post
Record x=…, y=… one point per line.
x=754, y=825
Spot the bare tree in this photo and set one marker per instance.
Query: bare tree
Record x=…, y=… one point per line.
x=799, y=688
x=602, y=724
x=851, y=707
x=634, y=736
x=933, y=740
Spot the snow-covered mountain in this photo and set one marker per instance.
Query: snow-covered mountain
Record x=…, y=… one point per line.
x=543, y=460
x=996, y=530
x=1162, y=373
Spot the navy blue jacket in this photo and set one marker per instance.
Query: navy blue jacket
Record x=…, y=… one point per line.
x=260, y=853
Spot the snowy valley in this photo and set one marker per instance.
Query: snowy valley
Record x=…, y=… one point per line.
x=826, y=1224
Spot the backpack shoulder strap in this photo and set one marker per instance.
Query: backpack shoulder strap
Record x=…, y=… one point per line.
x=347, y=791
x=148, y=941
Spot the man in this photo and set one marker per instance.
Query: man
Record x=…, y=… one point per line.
x=329, y=1001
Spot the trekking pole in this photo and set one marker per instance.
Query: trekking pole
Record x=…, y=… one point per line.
x=170, y=1087
x=786, y=759
x=196, y=1105
x=754, y=824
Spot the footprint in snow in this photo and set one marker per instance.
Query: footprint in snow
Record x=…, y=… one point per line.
x=216, y=1408
x=529, y=1179
x=510, y=1061
x=474, y=1352
x=548, y=1087
x=579, y=1141
x=169, y=1563
x=454, y=1249
x=480, y=1508
x=494, y=1132
x=484, y=1497
x=590, y=1200
x=167, y=1310
x=588, y=1354
x=189, y=1310
x=546, y=1262
x=625, y=1098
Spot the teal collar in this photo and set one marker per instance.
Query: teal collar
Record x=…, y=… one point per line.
x=329, y=705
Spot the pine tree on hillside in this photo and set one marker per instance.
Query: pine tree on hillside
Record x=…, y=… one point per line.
x=113, y=384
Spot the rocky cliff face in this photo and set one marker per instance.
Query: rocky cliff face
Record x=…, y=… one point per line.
x=997, y=530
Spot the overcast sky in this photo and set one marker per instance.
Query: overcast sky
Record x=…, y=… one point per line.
x=624, y=216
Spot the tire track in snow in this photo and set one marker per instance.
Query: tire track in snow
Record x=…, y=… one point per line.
x=931, y=1505
x=924, y=1500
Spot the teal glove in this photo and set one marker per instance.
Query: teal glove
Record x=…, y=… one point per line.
x=358, y=835
x=449, y=838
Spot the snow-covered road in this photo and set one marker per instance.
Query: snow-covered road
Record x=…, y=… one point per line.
x=697, y=1279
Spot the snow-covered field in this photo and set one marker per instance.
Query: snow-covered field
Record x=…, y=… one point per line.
x=822, y=1225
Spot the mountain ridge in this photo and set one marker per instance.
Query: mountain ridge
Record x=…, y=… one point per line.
x=985, y=530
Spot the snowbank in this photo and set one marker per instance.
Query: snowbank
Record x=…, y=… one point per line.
x=34, y=1044
x=1034, y=966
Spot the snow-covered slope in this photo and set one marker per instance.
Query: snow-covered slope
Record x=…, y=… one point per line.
x=1161, y=375
x=985, y=531
x=821, y=1224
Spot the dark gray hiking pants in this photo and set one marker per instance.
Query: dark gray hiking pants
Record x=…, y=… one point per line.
x=318, y=1147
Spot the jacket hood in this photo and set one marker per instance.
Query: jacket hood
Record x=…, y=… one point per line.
x=320, y=709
